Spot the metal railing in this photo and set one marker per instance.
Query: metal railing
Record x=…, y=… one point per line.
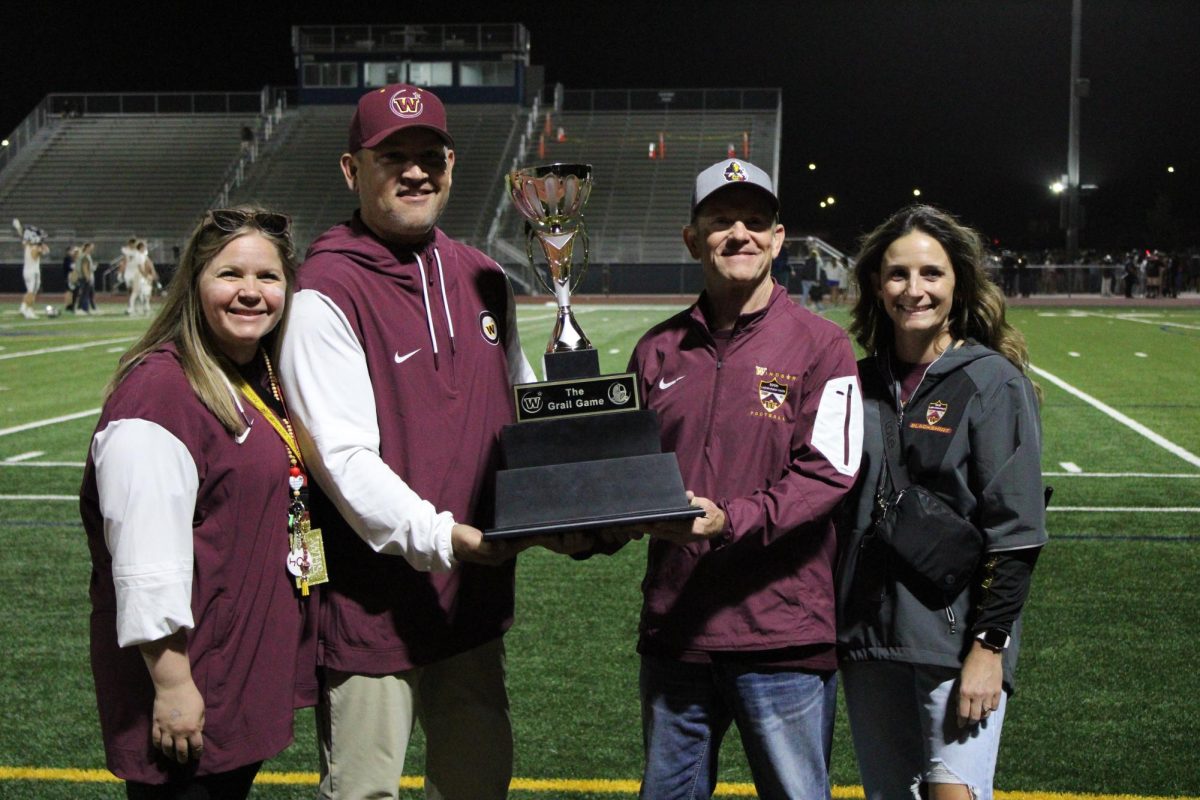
x=671, y=99
x=495, y=37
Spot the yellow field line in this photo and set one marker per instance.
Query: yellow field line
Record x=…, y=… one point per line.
x=625, y=787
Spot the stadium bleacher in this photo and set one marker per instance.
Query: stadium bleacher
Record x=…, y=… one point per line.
x=115, y=176
x=106, y=177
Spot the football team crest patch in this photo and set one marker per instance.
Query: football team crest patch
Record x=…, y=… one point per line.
x=488, y=327
x=934, y=413
x=771, y=394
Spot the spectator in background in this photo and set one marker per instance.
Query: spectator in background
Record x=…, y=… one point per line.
x=781, y=271
x=1025, y=277
x=86, y=281
x=70, y=278
x=247, y=138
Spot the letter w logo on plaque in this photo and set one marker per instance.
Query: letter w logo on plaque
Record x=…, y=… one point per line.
x=772, y=394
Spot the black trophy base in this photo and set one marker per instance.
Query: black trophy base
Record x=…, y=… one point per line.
x=585, y=495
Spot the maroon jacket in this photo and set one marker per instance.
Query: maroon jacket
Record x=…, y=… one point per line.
x=772, y=433
x=245, y=643
x=439, y=421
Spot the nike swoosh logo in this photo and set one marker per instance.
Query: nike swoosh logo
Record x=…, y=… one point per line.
x=668, y=384
x=401, y=359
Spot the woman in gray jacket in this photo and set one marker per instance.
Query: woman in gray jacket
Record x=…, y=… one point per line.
x=926, y=671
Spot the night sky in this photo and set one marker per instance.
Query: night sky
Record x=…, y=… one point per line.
x=965, y=99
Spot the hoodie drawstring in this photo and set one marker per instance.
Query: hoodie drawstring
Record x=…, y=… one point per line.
x=428, y=316
x=445, y=304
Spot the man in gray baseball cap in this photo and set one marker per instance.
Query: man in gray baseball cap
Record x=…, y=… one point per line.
x=759, y=400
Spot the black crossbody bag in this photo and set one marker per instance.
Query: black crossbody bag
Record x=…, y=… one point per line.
x=941, y=549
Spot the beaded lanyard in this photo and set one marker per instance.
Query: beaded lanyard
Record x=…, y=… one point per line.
x=306, y=557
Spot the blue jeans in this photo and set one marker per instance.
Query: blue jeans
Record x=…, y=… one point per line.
x=785, y=719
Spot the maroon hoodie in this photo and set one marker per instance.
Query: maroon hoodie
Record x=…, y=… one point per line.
x=441, y=392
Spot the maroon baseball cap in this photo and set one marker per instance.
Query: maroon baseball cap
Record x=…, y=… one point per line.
x=382, y=112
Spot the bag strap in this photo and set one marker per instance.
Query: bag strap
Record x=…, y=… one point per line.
x=889, y=425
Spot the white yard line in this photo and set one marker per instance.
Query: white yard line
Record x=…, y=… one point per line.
x=1070, y=466
x=1127, y=509
x=66, y=348
x=1135, y=318
x=1129, y=422
x=24, y=456
x=41, y=423
x=1192, y=475
x=74, y=464
x=42, y=497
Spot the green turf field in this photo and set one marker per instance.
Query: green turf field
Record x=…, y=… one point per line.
x=1107, y=698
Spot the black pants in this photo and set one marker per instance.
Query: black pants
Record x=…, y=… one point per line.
x=232, y=785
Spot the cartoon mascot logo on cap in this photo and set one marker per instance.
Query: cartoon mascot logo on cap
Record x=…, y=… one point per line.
x=734, y=172
x=406, y=105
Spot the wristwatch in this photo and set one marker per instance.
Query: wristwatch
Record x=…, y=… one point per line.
x=994, y=639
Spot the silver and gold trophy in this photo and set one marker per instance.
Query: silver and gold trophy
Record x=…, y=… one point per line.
x=551, y=198
x=584, y=454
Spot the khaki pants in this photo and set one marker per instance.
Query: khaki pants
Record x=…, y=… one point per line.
x=364, y=723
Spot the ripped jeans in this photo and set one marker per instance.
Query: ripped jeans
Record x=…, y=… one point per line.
x=905, y=731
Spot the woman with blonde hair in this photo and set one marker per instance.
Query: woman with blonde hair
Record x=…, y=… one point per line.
x=931, y=587
x=193, y=503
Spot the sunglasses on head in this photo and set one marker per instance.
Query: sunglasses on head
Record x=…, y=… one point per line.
x=232, y=220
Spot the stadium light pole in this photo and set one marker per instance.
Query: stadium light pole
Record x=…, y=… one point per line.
x=1079, y=90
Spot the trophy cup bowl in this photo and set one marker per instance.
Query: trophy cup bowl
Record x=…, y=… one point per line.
x=551, y=198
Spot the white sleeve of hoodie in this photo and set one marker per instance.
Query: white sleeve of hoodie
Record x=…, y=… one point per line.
x=519, y=370
x=332, y=403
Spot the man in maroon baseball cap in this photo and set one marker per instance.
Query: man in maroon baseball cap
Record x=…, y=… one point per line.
x=400, y=359
x=393, y=108
x=400, y=162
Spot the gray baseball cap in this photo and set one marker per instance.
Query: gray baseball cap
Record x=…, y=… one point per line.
x=731, y=172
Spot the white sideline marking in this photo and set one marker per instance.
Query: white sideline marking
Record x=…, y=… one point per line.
x=24, y=456
x=115, y=350
x=1134, y=318
x=1128, y=509
x=78, y=464
x=1070, y=466
x=1141, y=355
x=43, y=497
x=1112, y=474
x=612, y=351
x=65, y=348
x=41, y=423
x=1073, y=354
x=1129, y=422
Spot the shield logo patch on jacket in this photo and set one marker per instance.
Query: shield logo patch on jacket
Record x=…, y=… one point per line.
x=771, y=394
x=934, y=413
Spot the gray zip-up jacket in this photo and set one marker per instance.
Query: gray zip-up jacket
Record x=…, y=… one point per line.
x=970, y=433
